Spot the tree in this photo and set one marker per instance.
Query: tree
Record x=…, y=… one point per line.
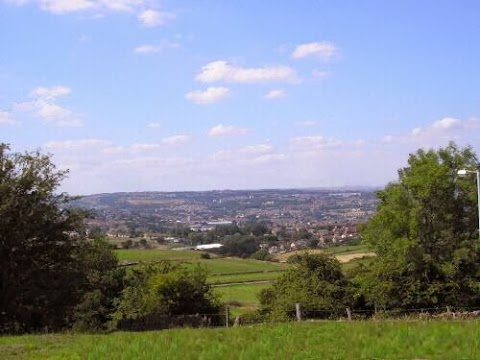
x=102, y=286
x=167, y=290
x=38, y=235
x=425, y=235
x=316, y=282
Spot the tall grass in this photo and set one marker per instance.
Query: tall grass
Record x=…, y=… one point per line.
x=313, y=340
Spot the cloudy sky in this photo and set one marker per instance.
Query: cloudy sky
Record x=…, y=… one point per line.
x=137, y=95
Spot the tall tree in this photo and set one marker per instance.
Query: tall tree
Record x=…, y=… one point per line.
x=425, y=235
x=38, y=233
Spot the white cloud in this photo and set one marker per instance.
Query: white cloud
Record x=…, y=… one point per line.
x=257, y=149
x=152, y=18
x=66, y=6
x=446, y=123
x=60, y=7
x=50, y=92
x=275, y=94
x=314, y=142
x=146, y=49
x=77, y=144
x=226, y=130
x=324, y=50
x=268, y=158
x=439, y=132
x=176, y=140
x=148, y=17
x=6, y=118
x=144, y=147
x=416, y=131
x=154, y=125
x=44, y=105
x=223, y=71
x=209, y=96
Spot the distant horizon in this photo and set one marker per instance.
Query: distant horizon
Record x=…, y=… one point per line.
x=341, y=188
x=140, y=94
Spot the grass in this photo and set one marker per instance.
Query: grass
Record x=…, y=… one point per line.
x=246, y=277
x=309, y=340
x=215, y=265
x=241, y=297
x=152, y=255
x=347, y=249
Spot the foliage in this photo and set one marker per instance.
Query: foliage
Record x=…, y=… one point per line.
x=40, y=278
x=239, y=245
x=102, y=288
x=261, y=254
x=316, y=282
x=425, y=235
x=168, y=290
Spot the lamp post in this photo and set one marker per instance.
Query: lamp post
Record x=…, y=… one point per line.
x=465, y=172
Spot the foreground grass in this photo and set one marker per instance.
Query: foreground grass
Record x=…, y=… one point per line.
x=320, y=340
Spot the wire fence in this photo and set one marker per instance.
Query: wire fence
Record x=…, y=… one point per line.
x=225, y=318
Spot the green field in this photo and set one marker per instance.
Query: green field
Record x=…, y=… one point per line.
x=241, y=297
x=310, y=340
x=222, y=271
x=347, y=249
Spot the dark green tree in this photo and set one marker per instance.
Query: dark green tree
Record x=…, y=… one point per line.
x=38, y=236
x=316, y=282
x=102, y=286
x=425, y=235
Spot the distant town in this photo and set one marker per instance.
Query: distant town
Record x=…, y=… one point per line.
x=297, y=218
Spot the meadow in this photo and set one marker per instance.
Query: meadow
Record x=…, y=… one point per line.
x=307, y=340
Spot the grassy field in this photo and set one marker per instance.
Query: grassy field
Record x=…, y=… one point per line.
x=222, y=271
x=241, y=297
x=233, y=271
x=312, y=340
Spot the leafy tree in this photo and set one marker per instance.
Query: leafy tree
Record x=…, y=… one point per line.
x=239, y=245
x=168, y=290
x=316, y=282
x=38, y=236
x=425, y=235
x=102, y=287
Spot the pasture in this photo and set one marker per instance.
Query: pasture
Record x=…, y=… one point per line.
x=236, y=280
x=308, y=340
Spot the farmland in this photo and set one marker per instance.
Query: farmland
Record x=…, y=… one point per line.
x=312, y=340
x=237, y=281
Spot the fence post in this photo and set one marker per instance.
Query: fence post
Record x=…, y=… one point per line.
x=349, y=314
x=237, y=321
x=226, y=316
x=298, y=312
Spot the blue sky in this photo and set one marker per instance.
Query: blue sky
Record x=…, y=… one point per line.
x=138, y=95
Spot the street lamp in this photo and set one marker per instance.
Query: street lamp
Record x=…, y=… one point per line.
x=465, y=172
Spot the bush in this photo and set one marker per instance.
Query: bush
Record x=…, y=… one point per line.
x=316, y=282
x=169, y=290
x=261, y=254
